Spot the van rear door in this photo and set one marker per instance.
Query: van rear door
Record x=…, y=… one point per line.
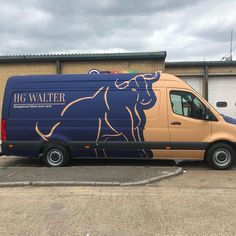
x=189, y=130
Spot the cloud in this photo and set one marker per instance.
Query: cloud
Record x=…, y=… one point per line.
x=186, y=29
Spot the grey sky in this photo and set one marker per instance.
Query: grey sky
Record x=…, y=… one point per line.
x=186, y=29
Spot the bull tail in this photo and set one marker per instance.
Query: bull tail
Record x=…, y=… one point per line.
x=46, y=136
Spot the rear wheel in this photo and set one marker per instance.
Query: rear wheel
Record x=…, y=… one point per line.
x=220, y=156
x=56, y=156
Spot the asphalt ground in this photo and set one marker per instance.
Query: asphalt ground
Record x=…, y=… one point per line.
x=99, y=172
x=201, y=201
x=84, y=172
x=169, y=209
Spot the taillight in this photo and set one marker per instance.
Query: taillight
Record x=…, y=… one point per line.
x=3, y=130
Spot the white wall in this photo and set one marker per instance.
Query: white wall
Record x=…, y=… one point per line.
x=194, y=82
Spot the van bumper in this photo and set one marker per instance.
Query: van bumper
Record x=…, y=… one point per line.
x=4, y=149
x=21, y=148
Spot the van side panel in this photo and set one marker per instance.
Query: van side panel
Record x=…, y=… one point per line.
x=99, y=115
x=156, y=128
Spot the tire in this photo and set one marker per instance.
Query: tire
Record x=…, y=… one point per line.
x=55, y=155
x=220, y=156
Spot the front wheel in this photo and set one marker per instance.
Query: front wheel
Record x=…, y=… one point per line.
x=220, y=156
x=56, y=156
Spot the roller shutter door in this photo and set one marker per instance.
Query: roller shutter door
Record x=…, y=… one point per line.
x=222, y=94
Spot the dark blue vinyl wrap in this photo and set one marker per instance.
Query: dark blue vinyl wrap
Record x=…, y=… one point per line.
x=229, y=119
x=104, y=108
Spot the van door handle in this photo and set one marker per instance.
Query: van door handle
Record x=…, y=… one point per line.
x=176, y=123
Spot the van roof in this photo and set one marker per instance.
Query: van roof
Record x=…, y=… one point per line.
x=68, y=77
x=18, y=80
x=164, y=76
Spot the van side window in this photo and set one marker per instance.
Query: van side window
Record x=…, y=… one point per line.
x=187, y=104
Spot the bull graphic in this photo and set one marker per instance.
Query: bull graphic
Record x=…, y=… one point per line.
x=121, y=117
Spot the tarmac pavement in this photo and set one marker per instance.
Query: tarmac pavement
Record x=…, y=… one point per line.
x=16, y=171
x=200, y=202
x=117, y=211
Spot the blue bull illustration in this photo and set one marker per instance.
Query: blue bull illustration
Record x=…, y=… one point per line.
x=114, y=112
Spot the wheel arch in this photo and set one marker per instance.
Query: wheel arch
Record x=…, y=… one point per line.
x=54, y=142
x=216, y=142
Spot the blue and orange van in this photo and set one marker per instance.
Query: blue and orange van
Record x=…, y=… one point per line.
x=139, y=116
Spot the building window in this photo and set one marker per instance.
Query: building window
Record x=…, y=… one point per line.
x=221, y=104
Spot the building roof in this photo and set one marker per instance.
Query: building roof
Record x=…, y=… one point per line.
x=200, y=63
x=84, y=57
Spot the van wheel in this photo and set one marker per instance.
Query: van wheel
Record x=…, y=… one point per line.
x=56, y=156
x=220, y=156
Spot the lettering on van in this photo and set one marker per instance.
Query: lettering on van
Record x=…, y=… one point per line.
x=38, y=100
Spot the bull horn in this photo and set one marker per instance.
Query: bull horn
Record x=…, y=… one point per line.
x=155, y=77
